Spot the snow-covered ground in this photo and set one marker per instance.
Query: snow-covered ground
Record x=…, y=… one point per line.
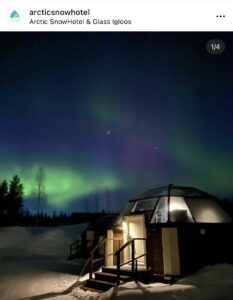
x=210, y=283
x=33, y=266
x=33, y=260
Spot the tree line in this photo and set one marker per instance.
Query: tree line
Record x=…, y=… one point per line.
x=12, y=210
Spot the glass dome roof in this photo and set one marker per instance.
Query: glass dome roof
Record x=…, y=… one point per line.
x=175, y=204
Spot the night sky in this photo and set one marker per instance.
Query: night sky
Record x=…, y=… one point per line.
x=109, y=115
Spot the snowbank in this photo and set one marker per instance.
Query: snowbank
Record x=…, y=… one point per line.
x=32, y=260
x=14, y=237
x=48, y=241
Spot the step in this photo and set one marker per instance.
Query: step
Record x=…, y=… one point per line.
x=143, y=275
x=86, y=288
x=111, y=277
x=99, y=284
x=127, y=272
x=165, y=278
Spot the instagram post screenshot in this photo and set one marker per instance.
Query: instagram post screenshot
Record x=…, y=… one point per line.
x=116, y=150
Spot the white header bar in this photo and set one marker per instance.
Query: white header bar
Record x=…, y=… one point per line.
x=116, y=16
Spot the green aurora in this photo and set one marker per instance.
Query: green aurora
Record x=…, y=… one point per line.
x=123, y=112
x=63, y=185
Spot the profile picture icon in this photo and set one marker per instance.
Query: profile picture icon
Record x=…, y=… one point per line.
x=14, y=16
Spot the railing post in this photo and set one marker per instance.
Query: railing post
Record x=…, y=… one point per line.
x=136, y=271
x=105, y=251
x=118, y=268
x=91, y=265
x=133, y=254
x=92, y=254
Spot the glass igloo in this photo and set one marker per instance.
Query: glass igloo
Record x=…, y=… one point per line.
x=176, y=204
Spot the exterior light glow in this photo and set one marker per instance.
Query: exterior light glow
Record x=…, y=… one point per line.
x=176, y=206
x=124, y=226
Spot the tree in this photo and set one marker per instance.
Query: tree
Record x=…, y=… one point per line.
x=14, y=198
x=41, y=196
x=3, y=198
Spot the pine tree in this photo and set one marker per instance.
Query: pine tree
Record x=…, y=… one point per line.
x=3, y=198
x=15, y=198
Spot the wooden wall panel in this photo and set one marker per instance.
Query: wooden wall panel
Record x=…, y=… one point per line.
x=155, y=251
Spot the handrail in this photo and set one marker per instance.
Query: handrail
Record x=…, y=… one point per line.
x=102, y=241
x=92, y=252
x=123, y=246
x=129, y=242
x=75, y=242
x=84, y=267
x=129, y=261
x=133, y=260
x=75, y=246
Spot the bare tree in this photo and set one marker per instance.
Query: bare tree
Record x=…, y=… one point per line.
x=96, y=203
x=41, y=196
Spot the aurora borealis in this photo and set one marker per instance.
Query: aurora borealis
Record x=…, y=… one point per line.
x=122, y=112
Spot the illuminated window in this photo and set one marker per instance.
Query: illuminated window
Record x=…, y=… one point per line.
x=161, y=212
x=207, y=211
x=179, y=211
x=145, y=205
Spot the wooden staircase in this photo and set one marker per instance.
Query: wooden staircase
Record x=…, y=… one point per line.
x=121, y=273
x=107, y=278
